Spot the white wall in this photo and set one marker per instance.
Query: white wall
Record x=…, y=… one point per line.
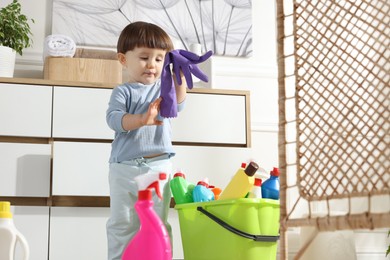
x=258, y=74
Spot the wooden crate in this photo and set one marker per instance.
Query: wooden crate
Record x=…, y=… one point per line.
x=82, y=69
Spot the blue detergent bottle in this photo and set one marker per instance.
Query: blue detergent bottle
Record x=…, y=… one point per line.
x=202, y=193
x=270, y=187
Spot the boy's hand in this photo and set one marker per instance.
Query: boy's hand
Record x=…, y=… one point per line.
x=150, y=117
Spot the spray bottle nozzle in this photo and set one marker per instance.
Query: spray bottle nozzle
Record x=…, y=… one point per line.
x=156, y=187
x=151, y=181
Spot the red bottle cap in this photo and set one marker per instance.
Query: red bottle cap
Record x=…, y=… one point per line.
x=243, y=165
x=257, y=182
x=275, y=172
x=145, y=194
x=203, y=183
x=179, y=174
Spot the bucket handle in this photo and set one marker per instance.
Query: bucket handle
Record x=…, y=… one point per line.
x=236, y=231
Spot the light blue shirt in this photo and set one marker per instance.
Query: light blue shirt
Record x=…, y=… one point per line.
x=134, y=98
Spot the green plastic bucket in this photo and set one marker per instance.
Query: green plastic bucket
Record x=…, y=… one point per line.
x=230, y=229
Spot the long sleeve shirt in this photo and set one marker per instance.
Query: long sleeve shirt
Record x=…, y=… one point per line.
x=134, y=98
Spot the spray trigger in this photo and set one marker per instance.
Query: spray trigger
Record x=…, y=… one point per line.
x=156, y=178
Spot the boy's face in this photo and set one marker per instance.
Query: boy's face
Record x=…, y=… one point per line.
x=144, y=65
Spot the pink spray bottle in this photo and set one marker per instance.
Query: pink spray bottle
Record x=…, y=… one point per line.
x=152, y=241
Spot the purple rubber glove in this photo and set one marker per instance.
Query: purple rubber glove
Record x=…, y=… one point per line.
x=185, y=61
x=168, y=105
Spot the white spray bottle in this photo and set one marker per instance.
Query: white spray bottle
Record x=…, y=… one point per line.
x=9, y=235
x=152, y=240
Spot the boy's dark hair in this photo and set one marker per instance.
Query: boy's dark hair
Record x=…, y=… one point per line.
x=143, y=34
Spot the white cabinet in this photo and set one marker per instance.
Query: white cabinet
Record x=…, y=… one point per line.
x=54, y=149
x=213, y=119
x=33, y=223
x=78, y=233
x=25, y=110
x=173, y=220
x=80, y=169
x=81, y=113
x=25, y=169
x=209, y=117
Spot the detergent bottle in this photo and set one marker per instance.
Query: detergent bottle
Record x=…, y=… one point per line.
x=152, y=240
x=271, y=186
x=241, y=183
x=181, y=189
x=256, y=189
x=216, y=190
x=9, y=235
x=202, y=192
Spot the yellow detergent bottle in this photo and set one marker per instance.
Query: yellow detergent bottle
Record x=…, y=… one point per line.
x=241, y=183
x=9, y=235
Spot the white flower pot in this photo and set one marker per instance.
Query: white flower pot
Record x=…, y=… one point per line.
x=7, y=62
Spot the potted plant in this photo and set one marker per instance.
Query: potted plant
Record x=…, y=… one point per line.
x=15, y=35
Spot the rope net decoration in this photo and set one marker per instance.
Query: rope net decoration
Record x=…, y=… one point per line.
x=334, y=114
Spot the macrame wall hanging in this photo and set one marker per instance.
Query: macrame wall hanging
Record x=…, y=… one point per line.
x=334, y=119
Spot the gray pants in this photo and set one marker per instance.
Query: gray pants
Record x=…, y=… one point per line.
x=123, y=223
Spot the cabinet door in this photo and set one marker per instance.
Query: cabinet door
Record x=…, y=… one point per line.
x=25, y=110
x=173, y=220
x=80, y=169
x=25, y=169
x=81, y=113
x=78, y=233
x=33, y=223
x=213, y=119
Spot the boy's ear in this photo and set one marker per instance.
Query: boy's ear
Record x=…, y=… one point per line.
x=121, y=58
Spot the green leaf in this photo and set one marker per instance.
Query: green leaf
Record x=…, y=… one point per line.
x=388, y=249
x=15, y=31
